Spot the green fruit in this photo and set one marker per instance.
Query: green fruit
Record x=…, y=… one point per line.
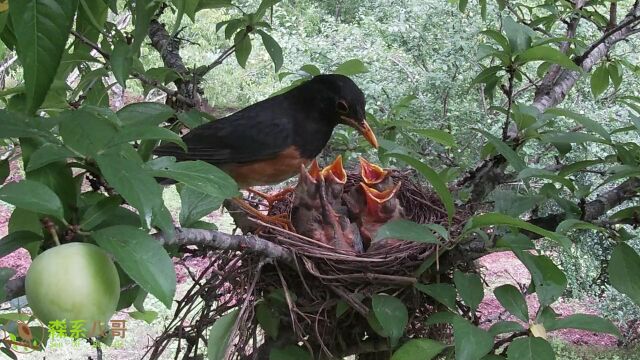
x=76, y=282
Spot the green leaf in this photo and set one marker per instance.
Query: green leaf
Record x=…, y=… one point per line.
x=462, y=5
x=402, y=229
x=289, y=352
x=195, y=205
x=471, y=342
x=418, y=349
x=582, y=120
x=548, y=54
x=16, y=240
x=33, y=196
x=499, y=39
x=193, y=118
x=144, y=10
x=47, y=154
x=442, y=293
x=351, y=67
x=392, y=315
x=530, y=348
x=599, y=81
x=136, y=186
x=13, y=125
x=220, y=335
x=572, y=138
x=147, y=316
x=628, y=213
x=577, y=166
x=510, y=203
x=142, y=258
x=145, y=132
x=505, y=150
x=243, y=47
x=546, y=174
x=504, y=327
x=470, y=288
x=201, y=176
x=483, y=10
x=495, y=219
x=92, y=15
x=441, y=317
x=273, y=49
x=436, y=181
x=515, y=242
x=519, y=35
x=584, y=322
x=436, y=135
x=264, y=6
x=41, y=28
x=487, y=75
x=144, y=113
x=624, y=263
x=213, y=4
x=310, y=69
x=121, y=62
x=512, y=299
x=86, y=133
x=548, y=279
x=268, y=319
x=571, y=224
x=100, y=211
x=615, y=74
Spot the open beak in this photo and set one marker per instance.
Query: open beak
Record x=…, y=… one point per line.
x=371, y=173
x=363, y=128
x=311, y=175
x=314, y=170
x=376, y=198
x=336, y=170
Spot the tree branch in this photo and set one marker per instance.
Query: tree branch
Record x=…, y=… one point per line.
x=221, y=241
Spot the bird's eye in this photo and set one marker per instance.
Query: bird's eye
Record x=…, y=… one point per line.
x=342, y=107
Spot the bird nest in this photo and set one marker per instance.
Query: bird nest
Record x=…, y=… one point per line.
x=387, y=264
x=321, y=299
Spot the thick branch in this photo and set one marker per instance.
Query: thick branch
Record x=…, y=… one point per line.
x=572, y=27
x=596, y=208
x=221, y=241
x=549, y=97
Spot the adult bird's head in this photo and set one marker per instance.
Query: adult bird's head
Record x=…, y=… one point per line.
x=346, y=103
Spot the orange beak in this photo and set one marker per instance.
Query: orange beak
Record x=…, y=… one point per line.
x=363, y=128
x=310, y=175
x=314, y=170
x=335, y=170
x=371, y=173
x=376, y=198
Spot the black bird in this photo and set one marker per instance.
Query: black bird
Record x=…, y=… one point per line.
x=267, y=142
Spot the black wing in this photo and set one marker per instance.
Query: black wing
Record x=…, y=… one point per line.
x=251, y=134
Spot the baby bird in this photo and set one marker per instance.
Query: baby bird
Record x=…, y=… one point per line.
x=379, y=208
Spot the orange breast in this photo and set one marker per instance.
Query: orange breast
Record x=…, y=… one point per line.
x=267, y=172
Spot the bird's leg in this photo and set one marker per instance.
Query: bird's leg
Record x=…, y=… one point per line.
x=272, y=198
x=277, y=219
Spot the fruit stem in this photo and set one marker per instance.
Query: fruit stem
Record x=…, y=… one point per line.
x=54, y=235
